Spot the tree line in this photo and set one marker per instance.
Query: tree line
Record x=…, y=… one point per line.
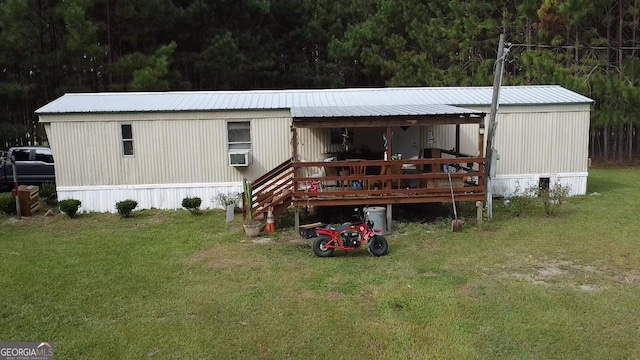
x=50, y=47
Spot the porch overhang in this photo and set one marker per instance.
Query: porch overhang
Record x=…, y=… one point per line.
x=383, y=116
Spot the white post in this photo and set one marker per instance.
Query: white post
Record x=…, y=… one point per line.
x=15, y=185
x=297, y=219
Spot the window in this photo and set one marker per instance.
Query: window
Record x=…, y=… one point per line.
x=338, y=135
x=239, y=135
x=127, y=139
x=21, y=154
x=44, y=155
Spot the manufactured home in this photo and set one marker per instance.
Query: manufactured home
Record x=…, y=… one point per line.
x=313, y=147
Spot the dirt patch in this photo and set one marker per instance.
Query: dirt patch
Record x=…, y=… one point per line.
x=23, y=220
x=226, y=257
x=261, y=240
x=526, y=277
x=367, y=298
x=588, y=269
x=551, y=270
x=469, y=290
x=633, y=279
x=334, y=296
x=589, y=288
x=306, y=295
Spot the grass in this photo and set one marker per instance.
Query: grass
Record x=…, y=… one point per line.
x=171, y=285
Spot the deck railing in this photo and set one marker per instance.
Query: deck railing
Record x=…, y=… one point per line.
x=388, y=182
x=273, y=189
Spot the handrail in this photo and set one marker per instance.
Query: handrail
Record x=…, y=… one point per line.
x=274, y=188
x=394, y=180
x=433, y=161
x=279, y=188
x=274, y=172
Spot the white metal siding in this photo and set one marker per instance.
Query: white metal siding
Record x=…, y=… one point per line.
x=89, y=153
x=509, y=185
x=190, y=147
x=535, y=139
x=160, y=196
x=544, y=143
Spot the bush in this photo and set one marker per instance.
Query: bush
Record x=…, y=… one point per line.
x=70, y=207
x=125, y=207
x=192, y=204
x=234, y=199
x=48, y=193
x=553, y=197
x=7, y=204
x=519, y=205
x=522, y=201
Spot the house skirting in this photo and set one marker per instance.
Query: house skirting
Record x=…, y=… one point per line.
x=509, y=185
x=103, y=198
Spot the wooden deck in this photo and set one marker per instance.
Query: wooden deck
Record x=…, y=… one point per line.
x=380, y=182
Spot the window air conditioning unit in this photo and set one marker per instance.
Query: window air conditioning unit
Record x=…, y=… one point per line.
x=240, y=158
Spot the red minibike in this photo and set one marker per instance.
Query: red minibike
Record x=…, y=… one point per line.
x=350, y=236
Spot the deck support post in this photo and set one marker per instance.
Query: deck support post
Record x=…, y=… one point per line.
x=457, y=140
x=389, y=217
x=294, y=144
x=479, y=207
x=296, y=218
x=388, y=151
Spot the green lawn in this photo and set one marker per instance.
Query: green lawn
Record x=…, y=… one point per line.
x=173, y=285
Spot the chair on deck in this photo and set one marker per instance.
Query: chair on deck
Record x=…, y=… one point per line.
x=359, y=170
x=394, y=170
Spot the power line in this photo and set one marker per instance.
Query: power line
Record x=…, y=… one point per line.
x=544, y=46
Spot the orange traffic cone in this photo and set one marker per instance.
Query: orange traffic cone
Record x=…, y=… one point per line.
x=271, y=226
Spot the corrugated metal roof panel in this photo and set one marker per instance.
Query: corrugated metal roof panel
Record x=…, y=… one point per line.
x=285, y=99
x=378, y=110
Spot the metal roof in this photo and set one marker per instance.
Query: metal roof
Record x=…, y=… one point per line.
x=379, y=110
x=292, y=99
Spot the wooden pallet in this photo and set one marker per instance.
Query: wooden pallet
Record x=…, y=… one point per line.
x=29, y=199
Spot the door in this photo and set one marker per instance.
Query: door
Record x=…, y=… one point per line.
x=405, y=141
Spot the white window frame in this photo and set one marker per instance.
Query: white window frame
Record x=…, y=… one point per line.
x=229, y=143
x=122, y=141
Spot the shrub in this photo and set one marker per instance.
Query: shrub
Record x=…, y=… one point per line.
x=519, y=205
x=192, y=204
x=234, y=199
x=7, y=204
x=48, y=193
x=70, y=207
x=125, y=207
x=553, y=197
x=522, y=201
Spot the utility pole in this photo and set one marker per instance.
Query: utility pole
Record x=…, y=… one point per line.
x=15, y=186
x=497, y=82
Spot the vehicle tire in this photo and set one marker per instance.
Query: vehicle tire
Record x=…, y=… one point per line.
x=378, y=246
x=319, y=246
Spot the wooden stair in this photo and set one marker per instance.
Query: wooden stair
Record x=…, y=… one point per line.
x=275, y=189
